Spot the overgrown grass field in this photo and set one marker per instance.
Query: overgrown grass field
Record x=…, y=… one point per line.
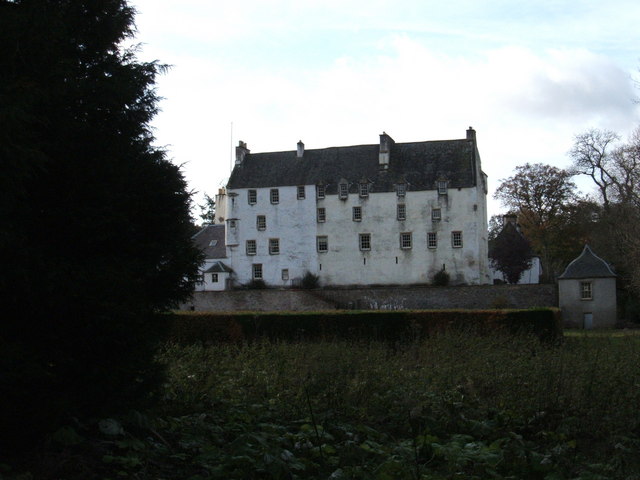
x=452, y=406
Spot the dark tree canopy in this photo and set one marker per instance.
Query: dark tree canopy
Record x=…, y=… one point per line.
x=541, y=195
x=510, y=253
x=95, y=232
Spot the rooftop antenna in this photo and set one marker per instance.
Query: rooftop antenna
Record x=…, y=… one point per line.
x=231, y=151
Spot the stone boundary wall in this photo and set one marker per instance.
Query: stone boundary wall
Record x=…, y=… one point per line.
x=377, y=298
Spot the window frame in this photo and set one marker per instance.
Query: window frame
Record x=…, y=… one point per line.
x=274, y=246
x=274, y=196
x=356, y=217
x=320, y=190
x=586, y=290
x=284, y=274
x=256, y=271
x=343, y=191
x=364, y=242
x=406, y=240
x=261, y=223
x=401, y=212
x=214, y=278
x=252, y=197
x=456, y=239
x=321, y=214
x=432, y=240
x=443, y=187
x=401, y=189
x=363, y=190
x=436, y=214
x=251, y=247
x=322, y=241
x=300, y=192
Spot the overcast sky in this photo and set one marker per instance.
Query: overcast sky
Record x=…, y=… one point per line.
x=527, y=75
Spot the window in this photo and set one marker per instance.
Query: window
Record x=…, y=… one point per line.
x=401, y=211
x=436, y=214
x=586, y=291
x=364, y=189
x=321, y=215
x=356, y=214
x=456, y=239
x=251, y=247
x=274, y=246
x=401, y=189
x=275, y=196
x=253, y=197
x=261, y=222
x=214, y=278
x=365, y=241
x=320, y=191
x=256, y=271
x=442, y=187
x=343, y=190
x=285, y=274
x=300, y=192
x=322, y=244
x=233, y=224
x=405, y=240
x=432, y=240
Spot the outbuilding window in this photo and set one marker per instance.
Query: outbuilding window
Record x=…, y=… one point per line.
x=586, y=290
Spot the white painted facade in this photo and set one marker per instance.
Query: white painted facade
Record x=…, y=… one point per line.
x=293, y=223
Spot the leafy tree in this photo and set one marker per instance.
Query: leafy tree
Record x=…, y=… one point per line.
x=95, y=231
x=510, y=253
x=540, y=195
x=208, y=210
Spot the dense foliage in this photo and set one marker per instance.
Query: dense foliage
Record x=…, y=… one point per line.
x=95, y=231
x=454, y=406
x=510, y=253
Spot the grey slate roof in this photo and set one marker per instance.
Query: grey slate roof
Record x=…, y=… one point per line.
x=218, y=267
x=418, y=164
x=210, y=239
x=587, y=265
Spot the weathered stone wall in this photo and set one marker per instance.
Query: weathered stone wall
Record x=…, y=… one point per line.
x=378, y=298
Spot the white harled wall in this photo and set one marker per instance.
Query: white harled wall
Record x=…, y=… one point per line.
x=293, y=222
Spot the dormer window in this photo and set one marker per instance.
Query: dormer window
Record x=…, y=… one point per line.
x=364, y=190
x=320, y=191
x=442, y=187
x=343, y=190
x=401, y=189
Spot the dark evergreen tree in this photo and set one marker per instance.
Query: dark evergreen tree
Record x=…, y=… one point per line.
x=95, y=230
x=510, y=253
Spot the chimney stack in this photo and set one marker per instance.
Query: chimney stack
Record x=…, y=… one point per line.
x=241, y=152
x=385, y=150
x=471, y=134
x=300, y=149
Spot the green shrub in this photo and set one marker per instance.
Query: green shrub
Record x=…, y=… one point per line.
x=310, y=281
x=441, y=279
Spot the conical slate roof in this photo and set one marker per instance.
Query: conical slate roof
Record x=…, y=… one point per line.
x=587, y=265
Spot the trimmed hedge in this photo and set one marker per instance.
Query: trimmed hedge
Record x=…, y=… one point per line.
x=405, y=325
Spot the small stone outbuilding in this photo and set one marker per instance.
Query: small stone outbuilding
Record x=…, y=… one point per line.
x=587, y=292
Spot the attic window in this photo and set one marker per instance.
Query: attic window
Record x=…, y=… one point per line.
x=364, y=189
x=320, y=191
x=343, y=190
x=401, y=189
x=442, y=187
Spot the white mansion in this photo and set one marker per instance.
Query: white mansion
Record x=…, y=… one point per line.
x=389, y=213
